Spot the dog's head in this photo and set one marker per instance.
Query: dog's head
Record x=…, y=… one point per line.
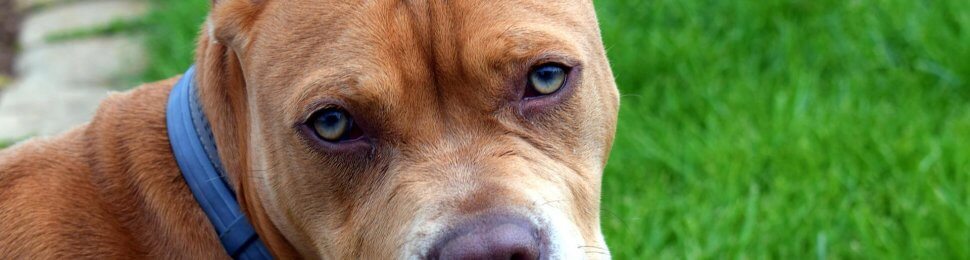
x=471, y=129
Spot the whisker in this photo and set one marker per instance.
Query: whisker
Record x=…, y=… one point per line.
x=552, y=201
x=614, y=215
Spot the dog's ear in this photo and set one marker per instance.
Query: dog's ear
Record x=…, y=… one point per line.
x=222, y=89
x=230, y=22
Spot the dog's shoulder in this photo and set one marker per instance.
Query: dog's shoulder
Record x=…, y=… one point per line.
x=73, y=194
x=33, y=162
x=122, y=118
x=46, y=196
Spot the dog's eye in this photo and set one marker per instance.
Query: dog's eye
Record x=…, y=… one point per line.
x=546, y=80
x=333, y=125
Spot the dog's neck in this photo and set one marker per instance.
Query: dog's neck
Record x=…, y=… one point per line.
x=222, y=91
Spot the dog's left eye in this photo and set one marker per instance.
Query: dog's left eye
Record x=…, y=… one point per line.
x=546, y=80
x=334, y=125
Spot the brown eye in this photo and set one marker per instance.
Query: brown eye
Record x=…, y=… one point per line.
x=333, y=125
x=546, y=80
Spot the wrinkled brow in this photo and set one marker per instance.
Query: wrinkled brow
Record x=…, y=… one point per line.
x=517, y=45
x=325, y=83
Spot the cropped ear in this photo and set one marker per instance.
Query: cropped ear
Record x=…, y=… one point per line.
x=230, y=22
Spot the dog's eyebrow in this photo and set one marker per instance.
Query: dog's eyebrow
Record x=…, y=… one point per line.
x=322, y=82
x=328, y=80
x=531, y=43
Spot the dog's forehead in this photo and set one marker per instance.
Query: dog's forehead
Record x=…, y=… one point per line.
x=340, y=32
x=368, y=45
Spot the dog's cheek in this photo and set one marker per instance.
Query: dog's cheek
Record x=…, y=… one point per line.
x=585, y=125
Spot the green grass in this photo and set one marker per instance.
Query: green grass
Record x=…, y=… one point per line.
x=172, y=29
x=114, y=27
x=790, y=129
x=768, y=129
x=5, y=143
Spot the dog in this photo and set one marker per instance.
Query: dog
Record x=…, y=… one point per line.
x=383, y=129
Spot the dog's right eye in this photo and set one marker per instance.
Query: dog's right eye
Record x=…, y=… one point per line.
x=334, y=125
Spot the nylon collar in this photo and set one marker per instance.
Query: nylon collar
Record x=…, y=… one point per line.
x=198, y=158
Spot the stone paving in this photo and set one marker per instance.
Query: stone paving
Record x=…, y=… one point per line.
x=9, y=26
x=60, y=84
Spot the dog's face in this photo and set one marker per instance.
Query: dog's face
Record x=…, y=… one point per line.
x=472, y=129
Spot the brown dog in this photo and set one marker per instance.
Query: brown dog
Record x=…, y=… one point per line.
x=351, y=130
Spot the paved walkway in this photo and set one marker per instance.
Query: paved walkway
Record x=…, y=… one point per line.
x=60, y=84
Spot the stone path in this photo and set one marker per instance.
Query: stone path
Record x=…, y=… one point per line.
x=60, y=84
x=9, y=26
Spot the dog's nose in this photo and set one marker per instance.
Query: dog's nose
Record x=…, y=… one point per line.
x=492, y=238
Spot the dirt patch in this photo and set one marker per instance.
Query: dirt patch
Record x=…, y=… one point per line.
x=9, y=27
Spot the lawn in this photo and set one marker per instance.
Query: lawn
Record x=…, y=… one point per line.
x=767, y=129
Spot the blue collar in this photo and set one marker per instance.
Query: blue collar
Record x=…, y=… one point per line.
x=198, y=159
